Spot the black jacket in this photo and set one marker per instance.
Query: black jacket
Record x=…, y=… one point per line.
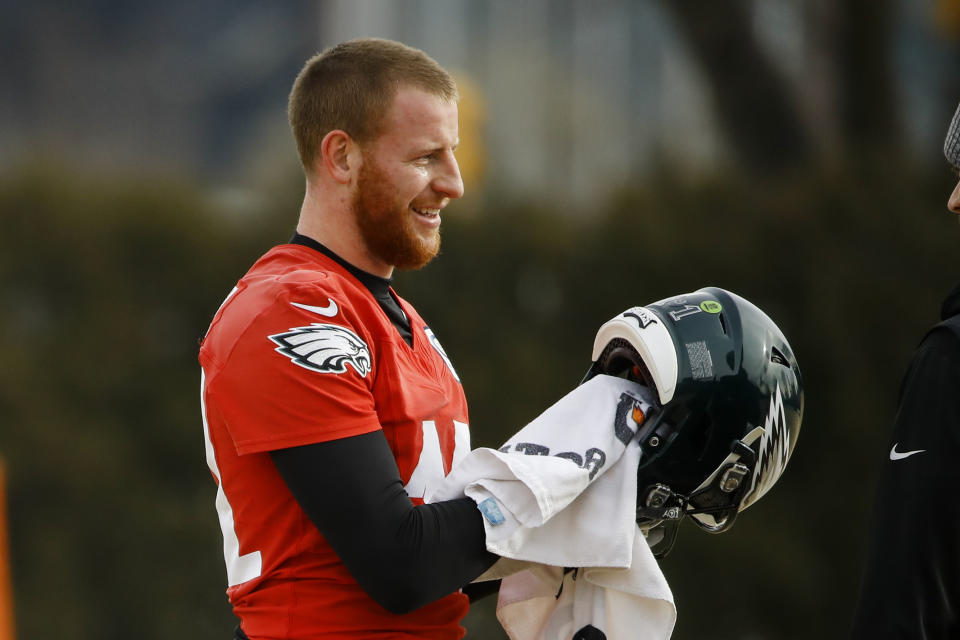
x=911, y=582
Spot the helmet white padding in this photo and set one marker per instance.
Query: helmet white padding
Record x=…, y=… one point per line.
x=647, y=334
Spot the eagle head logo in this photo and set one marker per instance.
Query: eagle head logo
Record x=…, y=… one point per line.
x=326, y=348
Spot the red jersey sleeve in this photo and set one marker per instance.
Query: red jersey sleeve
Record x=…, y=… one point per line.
x=291, y=366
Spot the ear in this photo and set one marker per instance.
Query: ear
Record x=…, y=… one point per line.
x=340, y=156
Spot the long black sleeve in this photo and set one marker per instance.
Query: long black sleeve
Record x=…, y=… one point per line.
x=911, y=582
x=404, y=556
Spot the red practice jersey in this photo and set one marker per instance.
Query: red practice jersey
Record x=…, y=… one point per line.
x=300, y=352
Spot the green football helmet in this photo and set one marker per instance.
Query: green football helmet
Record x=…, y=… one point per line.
x=731, y=403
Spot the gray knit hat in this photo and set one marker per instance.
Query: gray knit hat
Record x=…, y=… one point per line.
x=951, y=146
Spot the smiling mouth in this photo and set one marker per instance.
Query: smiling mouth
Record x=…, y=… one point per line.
x=427, y=213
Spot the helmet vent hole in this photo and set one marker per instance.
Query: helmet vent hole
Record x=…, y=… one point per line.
x=723, y=323
x=777, y=357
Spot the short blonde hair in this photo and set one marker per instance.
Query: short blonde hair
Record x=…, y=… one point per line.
x=350, y=87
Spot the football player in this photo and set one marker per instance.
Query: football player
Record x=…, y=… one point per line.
x=330, y=407
x=911, y=582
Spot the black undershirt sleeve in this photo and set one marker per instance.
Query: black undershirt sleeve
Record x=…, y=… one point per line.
x=404, y=556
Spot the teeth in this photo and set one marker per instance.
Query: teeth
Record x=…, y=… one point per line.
x=427, y=212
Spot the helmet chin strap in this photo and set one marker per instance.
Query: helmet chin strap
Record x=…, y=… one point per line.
x=660, y=509
x=662, y=537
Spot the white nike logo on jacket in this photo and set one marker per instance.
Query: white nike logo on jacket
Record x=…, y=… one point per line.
x=900, y=455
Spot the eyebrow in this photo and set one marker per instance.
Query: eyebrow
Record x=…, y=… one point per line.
x=429, y=150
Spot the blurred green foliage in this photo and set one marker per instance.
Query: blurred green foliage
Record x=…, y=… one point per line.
x=106, y=283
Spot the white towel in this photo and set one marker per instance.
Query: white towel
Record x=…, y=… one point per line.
x=562, y=493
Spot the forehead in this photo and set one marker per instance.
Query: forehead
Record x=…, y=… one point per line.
x=416, y=117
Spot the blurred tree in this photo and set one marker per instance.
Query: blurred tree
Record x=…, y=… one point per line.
x=947, y=20
x=105, y=287
x=757, y=105
x=750, y=96
x=866, y=95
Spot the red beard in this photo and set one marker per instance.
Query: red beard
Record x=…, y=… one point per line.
x=386, y=226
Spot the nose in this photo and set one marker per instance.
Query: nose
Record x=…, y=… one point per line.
x=448, y=180
x=954, y=202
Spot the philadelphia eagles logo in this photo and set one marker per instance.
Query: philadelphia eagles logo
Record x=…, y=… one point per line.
x=327, y=348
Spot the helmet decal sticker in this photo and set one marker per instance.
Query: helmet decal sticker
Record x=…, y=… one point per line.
x=774, y=450
x=637, y=412
x=643, y=317
x=684, y=311
x=701, y=362
x=325, y=348
x=711, y=306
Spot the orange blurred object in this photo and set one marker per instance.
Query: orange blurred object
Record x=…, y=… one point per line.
x=6, y=586
x=947, y=17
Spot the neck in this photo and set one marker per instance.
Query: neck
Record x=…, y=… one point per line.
x=329, y=219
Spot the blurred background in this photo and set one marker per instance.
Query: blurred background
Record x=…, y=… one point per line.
x=615, y=152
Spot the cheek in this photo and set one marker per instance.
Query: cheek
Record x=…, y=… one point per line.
x=411, y=183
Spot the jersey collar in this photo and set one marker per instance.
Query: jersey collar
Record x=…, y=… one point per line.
x=378, y=286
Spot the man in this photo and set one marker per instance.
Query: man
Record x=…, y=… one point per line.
x=327, y=400
x=911, y=583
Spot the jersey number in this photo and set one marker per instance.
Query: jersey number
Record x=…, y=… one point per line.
x=240, y=568
x=429, y=470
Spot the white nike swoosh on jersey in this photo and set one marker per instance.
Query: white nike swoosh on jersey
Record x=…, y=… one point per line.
x=898, y=455
x=329, y=311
